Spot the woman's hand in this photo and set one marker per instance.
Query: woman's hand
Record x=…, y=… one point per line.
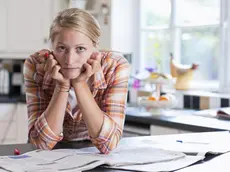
x=53, y=68
x=92, y=66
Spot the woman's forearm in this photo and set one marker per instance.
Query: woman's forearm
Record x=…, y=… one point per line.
x=92, y=114
x=55, y=111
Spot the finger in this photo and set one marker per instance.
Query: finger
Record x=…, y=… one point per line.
x=95, y=64
x=46, y=61
x=92, y=55
x=55, y=72
x=96, y=55
x=88, y=69
x=90, y=61
x=50, y=63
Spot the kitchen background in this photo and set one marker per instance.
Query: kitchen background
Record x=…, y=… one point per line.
x=145, y=31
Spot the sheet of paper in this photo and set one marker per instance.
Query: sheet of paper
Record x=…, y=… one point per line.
x=130, y=155
x=78, y=160
x=31, y=164
x=163, y=166
x=193, y=143
x=136, y=155
x=49, y=155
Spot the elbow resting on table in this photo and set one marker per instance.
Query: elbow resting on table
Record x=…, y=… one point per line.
x=37, y=140
x=106, y=145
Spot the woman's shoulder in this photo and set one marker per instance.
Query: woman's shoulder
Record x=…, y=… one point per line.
x=113, y=58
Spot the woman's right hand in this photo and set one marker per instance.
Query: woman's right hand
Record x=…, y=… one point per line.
x=53, y=68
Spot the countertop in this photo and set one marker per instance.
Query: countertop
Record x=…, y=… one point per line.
x=12, y=99
x=177, y=119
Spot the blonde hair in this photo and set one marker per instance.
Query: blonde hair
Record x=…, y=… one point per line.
x=79, y=20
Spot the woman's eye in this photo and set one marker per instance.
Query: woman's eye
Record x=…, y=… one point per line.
x=61, y=48
x=80, y=49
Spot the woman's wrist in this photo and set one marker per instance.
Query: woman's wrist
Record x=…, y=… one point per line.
x=63, y=87
x=78, y=83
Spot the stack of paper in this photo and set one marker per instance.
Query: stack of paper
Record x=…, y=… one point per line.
x=155, y=154
x=138, y=158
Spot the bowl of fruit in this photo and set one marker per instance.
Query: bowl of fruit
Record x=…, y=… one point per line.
x=163, y=102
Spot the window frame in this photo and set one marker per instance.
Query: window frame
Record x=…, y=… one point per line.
x=220, y=85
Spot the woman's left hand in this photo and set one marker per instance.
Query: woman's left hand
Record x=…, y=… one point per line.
x=92, y=66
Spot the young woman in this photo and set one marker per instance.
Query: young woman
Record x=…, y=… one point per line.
x=73, y=91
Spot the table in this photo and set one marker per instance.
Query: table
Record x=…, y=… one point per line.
x=175, y=119
x=211, y=165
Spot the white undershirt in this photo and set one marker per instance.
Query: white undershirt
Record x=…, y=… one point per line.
x=72, y=98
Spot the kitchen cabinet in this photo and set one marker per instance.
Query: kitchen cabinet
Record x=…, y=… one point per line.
x=14, y=123
x=25, y=26
x=22, y=123
x=3, y=28
x=132, y=130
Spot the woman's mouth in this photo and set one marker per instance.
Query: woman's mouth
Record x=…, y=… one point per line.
x=70, y=68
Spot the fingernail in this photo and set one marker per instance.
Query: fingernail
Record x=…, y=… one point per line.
x=46, y=55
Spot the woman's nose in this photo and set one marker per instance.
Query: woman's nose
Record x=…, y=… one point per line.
x=70, y=58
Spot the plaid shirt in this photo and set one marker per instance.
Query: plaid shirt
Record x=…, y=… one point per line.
x=109, y=90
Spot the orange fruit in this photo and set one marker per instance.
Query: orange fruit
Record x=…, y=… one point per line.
x=152, y=98
x=163, y=98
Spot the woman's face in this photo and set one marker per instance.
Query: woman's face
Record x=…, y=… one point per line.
x=72, y=49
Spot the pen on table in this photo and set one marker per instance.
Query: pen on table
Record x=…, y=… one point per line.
x=192, y=142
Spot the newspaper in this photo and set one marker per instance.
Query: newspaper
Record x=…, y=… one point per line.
x=142, y=158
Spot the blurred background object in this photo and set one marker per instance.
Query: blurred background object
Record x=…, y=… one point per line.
x=4, y=80
x=182, y=73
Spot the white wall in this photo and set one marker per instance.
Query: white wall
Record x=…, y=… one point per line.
x=122, y=25
x=105, y=39
x=125, y=28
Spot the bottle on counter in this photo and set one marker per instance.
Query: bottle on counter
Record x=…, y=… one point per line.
x=4, y=80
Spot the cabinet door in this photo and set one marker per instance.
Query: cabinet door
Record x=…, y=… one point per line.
x=8, y=132
x=28, y=25
x=3, y=15
x=22, y=123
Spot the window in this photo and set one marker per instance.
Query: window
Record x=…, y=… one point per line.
x=191, y=29
x=201, y=45
x=156, y=45
x=155, y=34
